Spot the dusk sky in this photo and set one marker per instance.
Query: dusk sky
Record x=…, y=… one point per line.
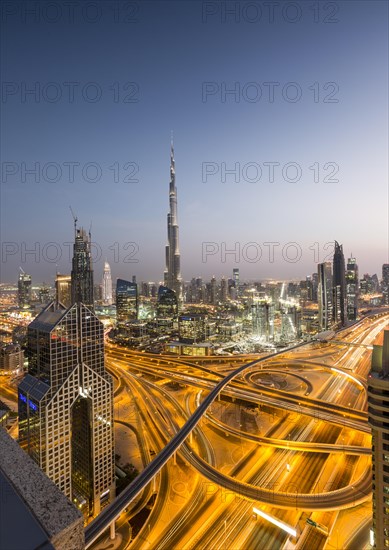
x=167, y=69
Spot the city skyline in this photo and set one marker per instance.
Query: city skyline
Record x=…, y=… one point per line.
x=337, y=130
x=194, y=274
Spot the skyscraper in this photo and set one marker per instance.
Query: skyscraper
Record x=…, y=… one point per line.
x=262, y=313
x=172, y=275
x=24, y=289
x=167, y=305
x=235, y=277
x=339, y=286
x=126, y=301
x=223, y=290
x=82, y=271
x=63, y=289
x=385, y=284
x=66, y=404
x=213, y=291
x=324, y=295
x=378, y=408
x=352, y=289
x=107, y=285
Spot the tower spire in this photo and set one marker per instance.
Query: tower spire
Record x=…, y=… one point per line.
x=172, y=276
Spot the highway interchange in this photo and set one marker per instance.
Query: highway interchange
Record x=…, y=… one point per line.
x=310, y=461
x=216, y=436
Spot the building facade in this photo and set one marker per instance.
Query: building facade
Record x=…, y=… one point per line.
x=66, y=405
x=352, y=289
x=11, y=359
x=172, y=275
x=82, y=271
x=324, y=295
x=378, y=408
x=107, y=285
x=385, y=284
x=167, y=303
x=339, y=286
x=24, y=290
x=126, y=301
x=63, y=289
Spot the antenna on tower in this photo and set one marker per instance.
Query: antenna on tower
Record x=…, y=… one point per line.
x=90, y=230
x=74, y=218
x=22, y=270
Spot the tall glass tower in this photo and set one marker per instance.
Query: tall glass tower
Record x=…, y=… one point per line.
x=126, y=301
x=339, y=286
x=172, y=275
x=82, y=271
x=24, y=289
x=107, y=285
x=352, y=289
x=66, y=405
x=324, y=295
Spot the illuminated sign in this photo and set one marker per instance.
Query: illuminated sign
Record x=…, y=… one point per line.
x=32, y=405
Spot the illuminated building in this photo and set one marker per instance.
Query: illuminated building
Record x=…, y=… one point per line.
x=107, y=285
x=223, y=290
x=192, y=328
x=82, y=272
x=229, y=329
x=339, y=286
x=290, y=323
x=63, y=289
x=24, y=290
x=262, y=313
x=235, y=277
x=378, y=408
x=11, y=359
x=126, y=301
x=44, y=294
x=352, y=289
x=324, y=295
x=167, y=304
x=213, y=291
x=172, y=275
x=385, y=284
x=65, y=405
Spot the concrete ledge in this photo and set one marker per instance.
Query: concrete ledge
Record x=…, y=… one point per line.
x=40, y=498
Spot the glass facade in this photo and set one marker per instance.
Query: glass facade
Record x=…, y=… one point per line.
x=66, y=404
x=339, y=286
x=24, y=290
x=167, y=304
x=126, y=301
x=352, y=290
x=324, y=295
x=63, y=289
x=82, y=272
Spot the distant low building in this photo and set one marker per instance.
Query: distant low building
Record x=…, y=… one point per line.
x=11, y=359
x=181, y=348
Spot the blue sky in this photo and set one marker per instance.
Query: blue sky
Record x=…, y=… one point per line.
x=168, y=52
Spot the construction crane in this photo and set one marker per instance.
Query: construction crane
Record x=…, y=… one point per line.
x=74, y=218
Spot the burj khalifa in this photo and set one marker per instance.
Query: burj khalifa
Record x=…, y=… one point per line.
x=172, y=275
